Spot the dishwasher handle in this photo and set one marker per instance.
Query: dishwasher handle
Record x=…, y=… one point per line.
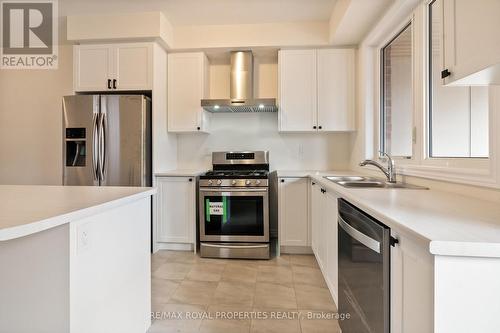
x=359, y=236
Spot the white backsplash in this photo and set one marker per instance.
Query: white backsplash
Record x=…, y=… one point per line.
x=259, y=131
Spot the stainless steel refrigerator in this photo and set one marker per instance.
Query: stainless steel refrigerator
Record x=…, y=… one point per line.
x=107, y=140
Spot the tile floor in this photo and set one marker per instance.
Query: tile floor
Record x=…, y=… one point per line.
x=193, y=294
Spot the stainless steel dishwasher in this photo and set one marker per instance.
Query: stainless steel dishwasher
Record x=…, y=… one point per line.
x=364, y=271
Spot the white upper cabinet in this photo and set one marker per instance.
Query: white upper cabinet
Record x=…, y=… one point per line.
x=92, y=67
x=113, y=67
x=293, y=212
x=470, y=42
x=188, y=75
x=316, y=90
x=336, y=89
x=297, y=91
x=134, y=66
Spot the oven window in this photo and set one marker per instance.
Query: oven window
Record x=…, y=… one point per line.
x=234, y=215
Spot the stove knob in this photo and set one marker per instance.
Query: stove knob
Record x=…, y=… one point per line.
x=247, y=182
x=233, y=182
x=257, y=182
x=219, y=182
x=210, y=182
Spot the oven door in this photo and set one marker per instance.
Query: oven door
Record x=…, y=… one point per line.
x=235, y=214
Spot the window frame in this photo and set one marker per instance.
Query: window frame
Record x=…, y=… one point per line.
x=382, y=113
x=471, y=171
x=379, y=103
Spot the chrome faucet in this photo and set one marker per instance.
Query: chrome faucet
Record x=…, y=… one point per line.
x=389, y=172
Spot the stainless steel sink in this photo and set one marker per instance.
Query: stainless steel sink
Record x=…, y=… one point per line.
x=336, y=179
x=369, y=182
x=362, y=183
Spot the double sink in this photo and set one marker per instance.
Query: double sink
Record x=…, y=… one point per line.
x=370, y=182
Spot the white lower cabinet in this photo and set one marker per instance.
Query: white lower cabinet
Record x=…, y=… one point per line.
x=331, y=241
x=412, y=265
x=315, y=215
x=293, y=212
x=175, y=211
x=324, y=240
x=412, y=285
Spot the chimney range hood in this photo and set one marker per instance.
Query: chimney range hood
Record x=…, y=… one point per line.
x=241, y=92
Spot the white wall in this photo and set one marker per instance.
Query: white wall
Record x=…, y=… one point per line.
x=290, y=34
x=31, y=127
x=259, y=131
x=31, y=122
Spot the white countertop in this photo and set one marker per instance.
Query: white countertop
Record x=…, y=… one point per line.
x=309, y=173
x=454, y=224
x=25, y=210
x=181, y=173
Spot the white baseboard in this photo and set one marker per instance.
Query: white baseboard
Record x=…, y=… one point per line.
x=174, y=246
x=296, y=250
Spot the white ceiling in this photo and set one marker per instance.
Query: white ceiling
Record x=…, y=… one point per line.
x=209, y=12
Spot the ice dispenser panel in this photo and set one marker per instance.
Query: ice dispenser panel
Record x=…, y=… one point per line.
x=76, y=151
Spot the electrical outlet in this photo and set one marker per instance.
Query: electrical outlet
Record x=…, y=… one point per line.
x=83, y=238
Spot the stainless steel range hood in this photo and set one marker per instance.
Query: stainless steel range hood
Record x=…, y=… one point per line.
x=241, y=91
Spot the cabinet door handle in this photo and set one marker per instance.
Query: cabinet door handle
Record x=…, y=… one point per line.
x=282, y=180
x=114, y=83
x=198, y=128
x=313, y=183
x=190, y=179
x=445, y=73
x=314, y=127
x=109, y=83
x=320, y=127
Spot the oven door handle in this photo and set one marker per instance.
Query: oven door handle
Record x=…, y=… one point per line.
x=222, y=246
x=359, y=236
x=229, y=190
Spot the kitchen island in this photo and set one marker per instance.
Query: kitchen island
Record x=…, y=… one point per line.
x=75, y=259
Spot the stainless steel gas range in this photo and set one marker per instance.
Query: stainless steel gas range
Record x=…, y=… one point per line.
x=234, y=206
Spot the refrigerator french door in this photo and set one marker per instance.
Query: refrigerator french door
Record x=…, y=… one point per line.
x=107, y=140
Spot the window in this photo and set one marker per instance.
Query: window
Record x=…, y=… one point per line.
x=458, y=116
x=396, y=95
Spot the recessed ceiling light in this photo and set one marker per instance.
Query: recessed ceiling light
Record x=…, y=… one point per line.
x=216, y=107
x=261, y=106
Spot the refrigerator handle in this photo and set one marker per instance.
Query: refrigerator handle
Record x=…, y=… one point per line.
x=95, y=146
x=102, y=145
